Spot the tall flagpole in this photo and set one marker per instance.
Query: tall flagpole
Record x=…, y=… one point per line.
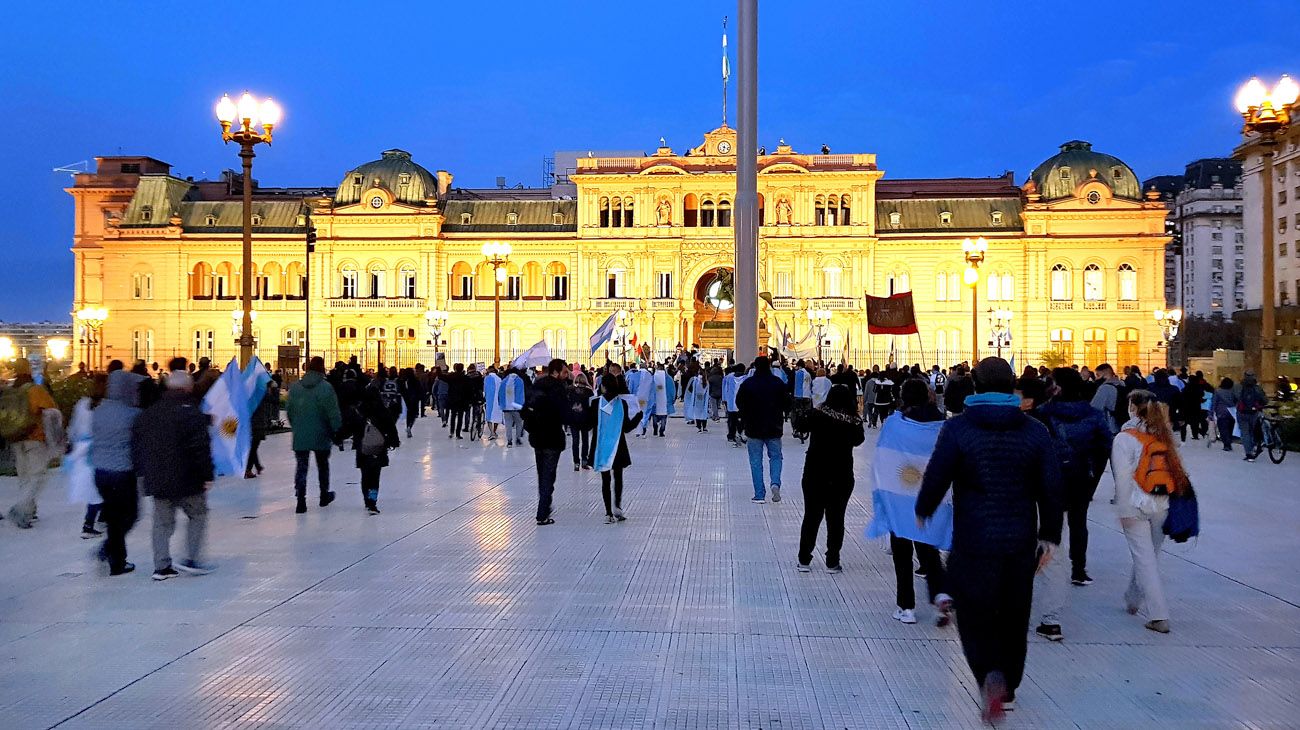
x=746, y=224
x=726, y=71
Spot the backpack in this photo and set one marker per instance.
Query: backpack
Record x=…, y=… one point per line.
x=1155, y=473
x=391, y=396
x=16, y=419
x=1075, y=466
x=372, y=441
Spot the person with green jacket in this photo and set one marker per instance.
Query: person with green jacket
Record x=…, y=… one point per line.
x=313, y=411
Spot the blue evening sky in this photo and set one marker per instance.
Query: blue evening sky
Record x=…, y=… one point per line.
x=935, y=88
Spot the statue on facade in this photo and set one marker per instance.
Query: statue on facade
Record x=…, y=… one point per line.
x=664, y=212
x=782, y=212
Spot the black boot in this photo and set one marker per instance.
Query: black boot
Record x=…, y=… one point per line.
x=302, y=506
x=326, y=498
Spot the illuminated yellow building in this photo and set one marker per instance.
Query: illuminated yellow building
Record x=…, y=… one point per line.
x=1075, y=256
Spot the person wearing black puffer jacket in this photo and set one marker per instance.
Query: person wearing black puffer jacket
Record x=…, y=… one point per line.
x=1007, y=514
x=835, y=431
x=763, y=400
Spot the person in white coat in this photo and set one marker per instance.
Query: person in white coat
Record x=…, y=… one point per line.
x=1141, y=514
x=492, y=413
x=731, y=384
x=697, y=401
x=641, y=383
x=81, y=475
x=663, y=404
x=511, y=401
x=821, y=385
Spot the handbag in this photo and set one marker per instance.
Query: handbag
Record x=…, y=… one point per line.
x=372, y=441
x=1184, y=520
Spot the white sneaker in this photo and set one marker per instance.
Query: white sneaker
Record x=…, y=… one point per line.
x=776, y=493
x=758, y=500
x=906, y=615
x=803, y=568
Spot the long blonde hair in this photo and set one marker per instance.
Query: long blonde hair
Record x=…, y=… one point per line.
x=1154, y=415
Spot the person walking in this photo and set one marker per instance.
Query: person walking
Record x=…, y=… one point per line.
x=821, y=386
x=697, y=400
x=1146, y=468
x=730, y=385
x=581, y=419
x=261, y=425
x=664, y=400
x=1007, y=514
x=1082, y=442
x=512, y=397
x=314, y=415
x=641, y=384
x=609, y=416
x=715, y=378
x=834, y=430
x=1223, y=408
x=441, y=390
x=172, y=453
x=906, y=442
x=81, y=474
x=543, y=415
x=375, y=434
x=762, y=400
x=492, y=415
x=1250, y=411
x=1109, y=398
x=111, y=456
x=26, y=427
x=408, y=385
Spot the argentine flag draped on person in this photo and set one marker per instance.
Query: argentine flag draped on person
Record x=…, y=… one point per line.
x=227, y=403
x=902, y=454
x=255, y=380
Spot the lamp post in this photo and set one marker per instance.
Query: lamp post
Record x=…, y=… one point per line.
x=1169, y=322
x=242, y=118
x=497, y=254
x=237, y=324
x=621, y=331
x=436, y=319
x=819, y=320
x=1000, y=327
x=974, y=253
x=92, y=319
x=1267, y=114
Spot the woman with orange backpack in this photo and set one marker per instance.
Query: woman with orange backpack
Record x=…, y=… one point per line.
x=1147, y=470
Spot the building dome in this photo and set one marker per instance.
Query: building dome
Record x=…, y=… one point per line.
x=1061, y=175
x=395, y=172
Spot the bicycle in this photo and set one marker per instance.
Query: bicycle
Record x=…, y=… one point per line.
x=476, y=423
x=1271, y=439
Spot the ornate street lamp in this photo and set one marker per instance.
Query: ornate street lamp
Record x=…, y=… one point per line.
x=237, y=324
x=92, y=319
x=1000, y=326
x=497, y=254
x=238, y=123
x=58, y=348
x=819, y=320
x=1267, y=114
x=974, y=252
x=1169, y=322
x=437, y=320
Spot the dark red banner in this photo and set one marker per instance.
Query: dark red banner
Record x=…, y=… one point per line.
x=891, y=315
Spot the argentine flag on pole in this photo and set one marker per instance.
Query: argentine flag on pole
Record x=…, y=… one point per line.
x=902, y=454
x=255, y=380
x=603, y=333
x=535, y=356
x=227, y=404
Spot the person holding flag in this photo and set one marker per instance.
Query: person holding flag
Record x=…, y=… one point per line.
x=615, y=414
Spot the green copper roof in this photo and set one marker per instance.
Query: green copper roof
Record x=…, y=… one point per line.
x=963, y=214
x=157, y=198
x=1075, y=164
x=534, y=216
x=395, y=172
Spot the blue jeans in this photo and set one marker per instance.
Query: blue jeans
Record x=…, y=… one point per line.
x=756, y=464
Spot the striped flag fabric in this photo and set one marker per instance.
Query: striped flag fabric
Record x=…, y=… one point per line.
x=603, y=333
x=535, y=356
x=255, y=380
x=227, y=404
x=902, y=453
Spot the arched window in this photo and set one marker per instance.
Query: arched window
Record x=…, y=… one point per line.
x=348, y=279
x=1094, y=346
x=1001, y=287
x=513, y=285
x=462, y=281
x=819, y=211
x=947, y=286
x=846, y=212
x=142, y=285
x=707, y=214
x=295, y=281
x=1063, y=342
x=204, y=340
x=484, y=280
x=627, y=212
x=616, y=212
x=1060, y=283
x=604, y=213
x=532, y=276
x=724, y=213
x=832, y=280
x=832, y=210
x=223, y=281
x=557, y=276
x=690, y=210
x=406, y=275
x=346, y=334
x=377, y=274
x=1128, y=283
x=201, y=281
x=899, y=282
x=1126, y=347
x=1094, y=289
x=292, y=337
x=272, y=283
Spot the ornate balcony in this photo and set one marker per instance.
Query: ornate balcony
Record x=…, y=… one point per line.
x=609, y=304
x=1128, y=306
x=836, y=303
x=372, y=305
x=663, y=304
x=1094, y=306
x=1060, y=306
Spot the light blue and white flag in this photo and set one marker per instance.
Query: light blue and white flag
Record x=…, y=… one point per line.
x=603, y=333
x=255, y=380
x=902, y=454
x=227, y=404
x=535, y=356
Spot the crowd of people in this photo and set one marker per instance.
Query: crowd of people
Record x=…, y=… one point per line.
x=994, y=470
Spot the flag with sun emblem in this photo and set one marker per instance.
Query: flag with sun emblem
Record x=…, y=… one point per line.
x=902, y=454
x=255, y=380
x=227, y=404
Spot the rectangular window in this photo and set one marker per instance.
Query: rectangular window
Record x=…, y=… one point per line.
x=1216, y=250
x=560, y=287
x=466, y=290
x=349, y=285
x=665, y=289
x=784, y=285
x=514, y=287
x=1217, y=223
x=1216, y=236
x=614, y=285
x=1281, y=249
x=832, y=282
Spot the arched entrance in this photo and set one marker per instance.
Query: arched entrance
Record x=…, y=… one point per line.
x=714, y=309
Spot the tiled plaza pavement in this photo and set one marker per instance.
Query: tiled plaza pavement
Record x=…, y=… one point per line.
x=452, y=609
